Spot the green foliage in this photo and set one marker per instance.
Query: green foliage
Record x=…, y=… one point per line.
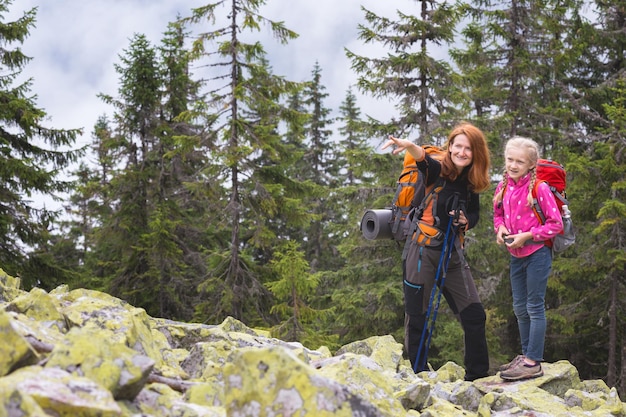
x=198, y=178
x=581, y=316
x=447, y=341
x=292, y=288
x=421, y=85
x=32, y=156
x=248, y=152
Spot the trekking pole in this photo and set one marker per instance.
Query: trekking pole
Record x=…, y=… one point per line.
x=442, y=281
x=442, y=269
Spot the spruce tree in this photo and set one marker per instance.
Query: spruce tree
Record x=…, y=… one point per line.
x=587, y=284
x=321, y=166
x=294, y=141
x=91, y=205
x=275, y=192
x=354, y=148
x=365, y=291
x=422, y=85
x=33, y=157
x=146, y=241
x=243, y=98
x=131, y=186
x=293, y=288
x=517, y=60
x=513, y=64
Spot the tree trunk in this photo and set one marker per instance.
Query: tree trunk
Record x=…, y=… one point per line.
x=611, y=376
x=622, y=387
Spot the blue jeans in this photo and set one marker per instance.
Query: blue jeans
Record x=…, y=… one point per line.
x=529, y=281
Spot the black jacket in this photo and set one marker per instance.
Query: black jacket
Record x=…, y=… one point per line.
x=458, y=190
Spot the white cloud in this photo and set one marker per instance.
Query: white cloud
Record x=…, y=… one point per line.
x=76, y=43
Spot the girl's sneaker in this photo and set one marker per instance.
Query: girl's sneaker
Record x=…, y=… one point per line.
x=511, y=364
x=522, y=370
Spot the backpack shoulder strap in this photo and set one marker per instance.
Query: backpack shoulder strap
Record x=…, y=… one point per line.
x=431, y=191
x=430, y=200
x=536, y=205
x=418, y=211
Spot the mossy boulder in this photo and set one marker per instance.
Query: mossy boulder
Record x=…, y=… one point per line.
x=86, y=353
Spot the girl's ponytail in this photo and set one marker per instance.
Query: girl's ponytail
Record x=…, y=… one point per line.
x=531, y=184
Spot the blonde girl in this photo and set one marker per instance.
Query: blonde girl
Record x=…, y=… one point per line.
x=518, y=228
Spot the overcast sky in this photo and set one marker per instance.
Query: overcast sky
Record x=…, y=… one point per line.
x=76, y=43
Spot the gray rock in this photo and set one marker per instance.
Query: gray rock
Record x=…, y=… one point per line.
x=87, y=353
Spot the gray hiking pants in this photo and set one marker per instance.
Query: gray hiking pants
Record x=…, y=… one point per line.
x=459, y=290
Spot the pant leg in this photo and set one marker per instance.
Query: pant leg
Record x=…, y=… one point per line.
x=539, y=267
x=518, y=277
x=462, y=296
x=418, y=281
x=473, y=319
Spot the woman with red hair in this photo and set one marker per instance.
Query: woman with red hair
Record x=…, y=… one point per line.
x=460, y=175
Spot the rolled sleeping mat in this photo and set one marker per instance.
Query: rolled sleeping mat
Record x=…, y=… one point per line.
x=375, y=224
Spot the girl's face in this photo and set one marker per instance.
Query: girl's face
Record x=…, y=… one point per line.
x=461, y=152
x=517, y=163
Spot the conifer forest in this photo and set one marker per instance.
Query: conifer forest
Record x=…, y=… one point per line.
x=215, y=187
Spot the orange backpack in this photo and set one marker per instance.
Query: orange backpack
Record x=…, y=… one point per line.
x=411, y=192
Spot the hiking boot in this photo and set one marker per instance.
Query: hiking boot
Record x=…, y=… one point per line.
x=511, y=364
x=521, y=370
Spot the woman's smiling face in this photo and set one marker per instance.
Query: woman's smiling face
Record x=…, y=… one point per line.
x=461, y=152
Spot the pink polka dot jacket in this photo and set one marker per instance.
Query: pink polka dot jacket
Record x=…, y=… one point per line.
x=518, y=217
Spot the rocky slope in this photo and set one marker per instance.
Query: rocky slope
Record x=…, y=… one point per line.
x=84, y=353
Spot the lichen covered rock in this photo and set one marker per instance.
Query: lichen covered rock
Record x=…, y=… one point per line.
x=15, y=351
x=118, y=368
x=54, y=390
x=86, y=353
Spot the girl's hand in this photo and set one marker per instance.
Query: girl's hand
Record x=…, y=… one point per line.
x=518, y=240
x=502, y=234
